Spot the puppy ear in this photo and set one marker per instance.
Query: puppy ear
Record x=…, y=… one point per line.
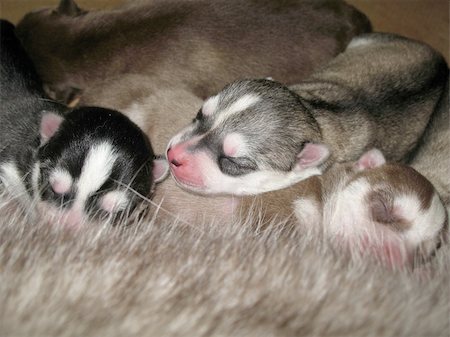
x=69, y=8
x=312, y=155
x=371, y=159
x=50, y=123
x=160, y=169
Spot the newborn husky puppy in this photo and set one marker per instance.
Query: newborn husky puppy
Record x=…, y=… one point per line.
x=92, y=160
x=258, y=135
x=368, y=207
x=198, y=44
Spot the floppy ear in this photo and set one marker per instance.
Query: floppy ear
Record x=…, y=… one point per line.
x=50, y=123
x=312, y=155
x=370, y=159
x=69, y=8
x=160, y=169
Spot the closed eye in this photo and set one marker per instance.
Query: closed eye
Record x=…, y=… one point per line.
x=236, y=166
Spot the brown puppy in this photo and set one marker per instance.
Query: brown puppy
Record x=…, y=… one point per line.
x=200, y=44
x=387, y=210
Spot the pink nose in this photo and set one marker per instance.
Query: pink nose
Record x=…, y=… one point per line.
x=176, y=155
x=184, y=165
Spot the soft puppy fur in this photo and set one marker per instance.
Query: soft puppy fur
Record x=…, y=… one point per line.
x=84, y=162
x=258, y=135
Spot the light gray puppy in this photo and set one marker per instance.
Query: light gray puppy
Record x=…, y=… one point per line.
x=258, y=135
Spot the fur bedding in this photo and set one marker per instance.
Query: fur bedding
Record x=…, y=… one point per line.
x=168, y=278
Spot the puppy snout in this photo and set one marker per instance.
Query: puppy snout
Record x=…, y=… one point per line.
x=176, y=156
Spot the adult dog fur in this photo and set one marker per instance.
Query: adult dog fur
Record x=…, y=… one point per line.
x=199, y=44
x=169, y=279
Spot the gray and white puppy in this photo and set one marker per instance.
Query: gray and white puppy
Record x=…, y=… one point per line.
x=202, y=45
x=258, y=135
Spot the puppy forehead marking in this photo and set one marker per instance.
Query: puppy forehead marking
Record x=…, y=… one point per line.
x=234, y=145
x=61, y=181
x=97, y=167
x=210, y=105
x=237, y=106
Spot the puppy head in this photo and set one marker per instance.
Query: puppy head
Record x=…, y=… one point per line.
x=92, y=162
x=387, y=209
x=252, y=137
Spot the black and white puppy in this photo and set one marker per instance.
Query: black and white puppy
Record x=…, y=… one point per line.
x=72, y=163
x=258, y=135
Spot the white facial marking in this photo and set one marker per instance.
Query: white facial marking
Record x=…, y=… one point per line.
x=210, y=105
x=215, y=182
x=239, y=105
x=426, y=224
x=61, y=181
x=96, y=169
x=114, y=201
x=179, y=136
x=234, y=145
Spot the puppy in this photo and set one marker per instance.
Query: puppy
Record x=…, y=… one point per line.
x=388, y=211
x=72, y=163
x=198, y=44
x=258, y=135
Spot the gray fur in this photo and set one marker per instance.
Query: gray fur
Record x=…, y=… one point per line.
x=433, y=156
x=380, y=93
x=200, y=44
x=166, y=279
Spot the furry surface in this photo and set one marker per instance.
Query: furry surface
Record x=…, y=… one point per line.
x=172, y=279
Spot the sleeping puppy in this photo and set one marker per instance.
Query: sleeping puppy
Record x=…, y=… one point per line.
x=370, y=207
x=258, y=135
x=72, y=163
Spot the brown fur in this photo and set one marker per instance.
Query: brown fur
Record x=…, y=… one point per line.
x=386, y=183
x=200, y=44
